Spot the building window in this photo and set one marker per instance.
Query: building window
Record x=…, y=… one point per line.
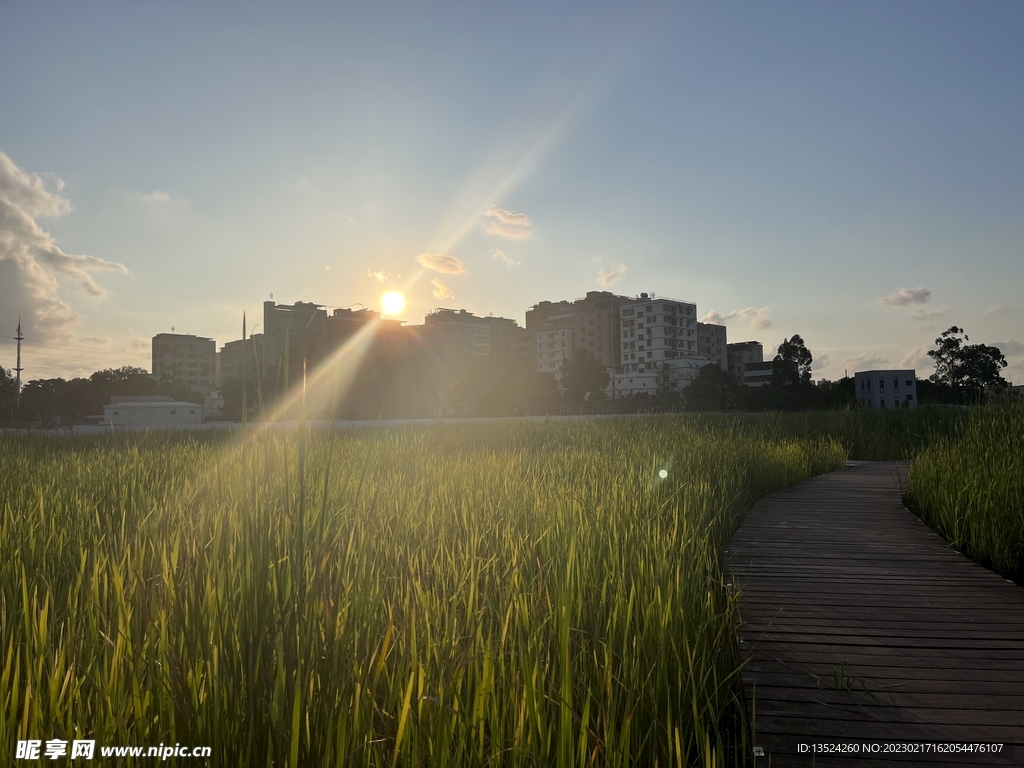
x=881, y=384
x=910, y=383
x=173, y=412
x=881, y=402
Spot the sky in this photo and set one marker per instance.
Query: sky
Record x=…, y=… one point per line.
x=849, y=172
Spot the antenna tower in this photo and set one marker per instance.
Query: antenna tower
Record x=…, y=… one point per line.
x=17, y=385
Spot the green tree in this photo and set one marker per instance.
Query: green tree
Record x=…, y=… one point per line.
x=583, y=376
x=792, y=364
x=8, y=395
x=712, y=390
x=966, y=366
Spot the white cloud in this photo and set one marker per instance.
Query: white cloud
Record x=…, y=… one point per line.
x=156, y=196
x=381, y=276
x=864, y=361
x=754, y=319
x=499, y=255
x=605, y=279
x=514, y=226
x=714, y=317
x=449, y=265
x=441, y=291
x=31, y=264
x=99, y=341
x=905, y=296
x=821, y=361
x=999, y=309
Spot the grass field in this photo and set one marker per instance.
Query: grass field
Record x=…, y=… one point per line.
x=522, y=594
x=527, y=594
x=970, y=487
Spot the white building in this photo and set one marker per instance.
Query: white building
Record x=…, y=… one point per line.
x=655, y=330
x=886, y=389
x=150, y=412
x=675, y=375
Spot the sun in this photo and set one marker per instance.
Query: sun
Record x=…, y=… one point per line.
x=392, y=303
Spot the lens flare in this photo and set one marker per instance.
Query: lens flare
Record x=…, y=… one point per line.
x=392, y=303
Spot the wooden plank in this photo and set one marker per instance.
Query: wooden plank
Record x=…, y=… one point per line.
x=836, y=578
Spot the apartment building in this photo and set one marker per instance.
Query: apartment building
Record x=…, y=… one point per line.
x=712, y=344
x=238, y=359
x=180, y=358
x=895, y=388
x=594, y=322
x=742, y=354
x=554, y=346
x=654, y=330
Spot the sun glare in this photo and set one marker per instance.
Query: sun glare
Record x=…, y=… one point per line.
x=392, y=303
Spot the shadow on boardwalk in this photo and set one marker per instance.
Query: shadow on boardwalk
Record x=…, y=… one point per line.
x=863, y=626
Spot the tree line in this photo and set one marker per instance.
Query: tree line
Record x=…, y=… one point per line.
x=400, y=378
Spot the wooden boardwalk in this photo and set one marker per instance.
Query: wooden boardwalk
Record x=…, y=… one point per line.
x=863, y=625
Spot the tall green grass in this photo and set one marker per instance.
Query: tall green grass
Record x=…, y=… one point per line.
x=499, y=595
x=970, y=488
x=868, y=435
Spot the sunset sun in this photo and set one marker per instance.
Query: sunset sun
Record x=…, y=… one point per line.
x=392, y=303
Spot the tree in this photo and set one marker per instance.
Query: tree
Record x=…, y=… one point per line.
x=583, y=375
x=8, y=395
x=966, y=366
x=712, y=390
x=792, y=364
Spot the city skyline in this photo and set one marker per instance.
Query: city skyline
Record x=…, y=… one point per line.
x=849, y=174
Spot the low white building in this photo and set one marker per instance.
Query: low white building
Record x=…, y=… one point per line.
x=674, y=375
x=886, y=388
x=150, y=412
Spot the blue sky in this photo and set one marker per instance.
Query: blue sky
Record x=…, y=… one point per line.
x=788, y=166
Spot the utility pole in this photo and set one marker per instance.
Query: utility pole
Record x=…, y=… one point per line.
x=17, y=384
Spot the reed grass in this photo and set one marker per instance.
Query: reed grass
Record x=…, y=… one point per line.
x=970, y=488
x=485, y=595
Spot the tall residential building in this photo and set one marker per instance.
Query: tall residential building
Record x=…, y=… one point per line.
x=180, y=358
x=540, y=313
x=524, y=348
x=286, y=325
x=593, y=320
x=742, y=354
x=481, y=336
x=659, y=346
x=461, y=329
x=655, y=330
x=711, y=342
x=239, y=354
